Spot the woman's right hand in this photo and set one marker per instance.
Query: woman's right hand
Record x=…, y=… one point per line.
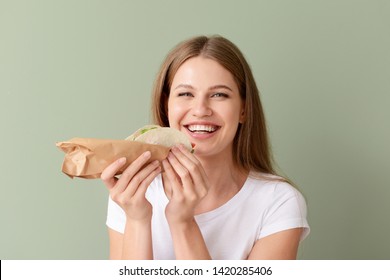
x=129, y=190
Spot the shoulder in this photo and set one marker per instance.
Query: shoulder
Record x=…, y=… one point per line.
x=277, y=194
x=284, y=205
x=272, y=185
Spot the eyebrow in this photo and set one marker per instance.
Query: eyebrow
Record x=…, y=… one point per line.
x=184, y=86
x=210, y=88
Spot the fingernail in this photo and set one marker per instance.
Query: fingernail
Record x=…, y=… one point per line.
x=122, y=160
x=147, y=154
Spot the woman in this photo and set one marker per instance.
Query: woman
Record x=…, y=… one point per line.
x=225, y=201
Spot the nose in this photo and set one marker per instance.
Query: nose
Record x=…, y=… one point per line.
x=201, y=108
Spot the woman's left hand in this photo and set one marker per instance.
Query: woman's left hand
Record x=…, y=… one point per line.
x=188, y=182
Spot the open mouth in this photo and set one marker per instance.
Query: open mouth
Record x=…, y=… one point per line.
x=202, y=129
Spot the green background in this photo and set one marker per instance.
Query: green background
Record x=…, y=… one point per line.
x=86, y=69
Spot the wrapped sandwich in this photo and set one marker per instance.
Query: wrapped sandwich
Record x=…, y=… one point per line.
x=88, y=157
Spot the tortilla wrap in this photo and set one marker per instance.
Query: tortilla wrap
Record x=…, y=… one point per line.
x=165, y=136
x=88, y=157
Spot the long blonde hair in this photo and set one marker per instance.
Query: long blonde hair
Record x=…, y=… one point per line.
x=251, y=149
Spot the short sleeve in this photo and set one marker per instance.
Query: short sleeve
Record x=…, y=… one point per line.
x=287, y=210
x=116, y=218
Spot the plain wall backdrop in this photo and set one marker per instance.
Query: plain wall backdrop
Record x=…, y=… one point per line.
x=82, y=68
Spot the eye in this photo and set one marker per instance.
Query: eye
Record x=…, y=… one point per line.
x=220, y=94
x=186, y=94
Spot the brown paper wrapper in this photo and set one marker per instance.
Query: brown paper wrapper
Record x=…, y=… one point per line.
x=88, y=157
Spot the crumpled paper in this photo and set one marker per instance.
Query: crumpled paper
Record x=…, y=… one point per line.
x=88, y=157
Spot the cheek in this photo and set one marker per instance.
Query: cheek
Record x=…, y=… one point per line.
x=234, y=118
x=233, y=114
x=175, y=113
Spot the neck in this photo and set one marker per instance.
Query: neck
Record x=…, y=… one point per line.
x=225, y=181
x=223, y=175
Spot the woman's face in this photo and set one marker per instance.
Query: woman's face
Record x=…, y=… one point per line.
x=204, y=102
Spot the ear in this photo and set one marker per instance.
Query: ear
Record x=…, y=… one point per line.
x=242, y=114
x=242, y=117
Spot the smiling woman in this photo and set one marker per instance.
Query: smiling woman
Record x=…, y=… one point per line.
x=225, y=201
x=205, y=103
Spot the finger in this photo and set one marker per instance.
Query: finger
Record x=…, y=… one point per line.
x=108, y=174
x=131, y=170
x=195, y=169
x=173, y=178
x=181, y=149
x=138, y=178
x=189, y=162
x=147, y=181
x=184, y=173
x=181, y=152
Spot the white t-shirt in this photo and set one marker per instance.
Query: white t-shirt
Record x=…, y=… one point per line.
x=262, y=207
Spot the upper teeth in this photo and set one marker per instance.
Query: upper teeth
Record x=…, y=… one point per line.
x=198, y=127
